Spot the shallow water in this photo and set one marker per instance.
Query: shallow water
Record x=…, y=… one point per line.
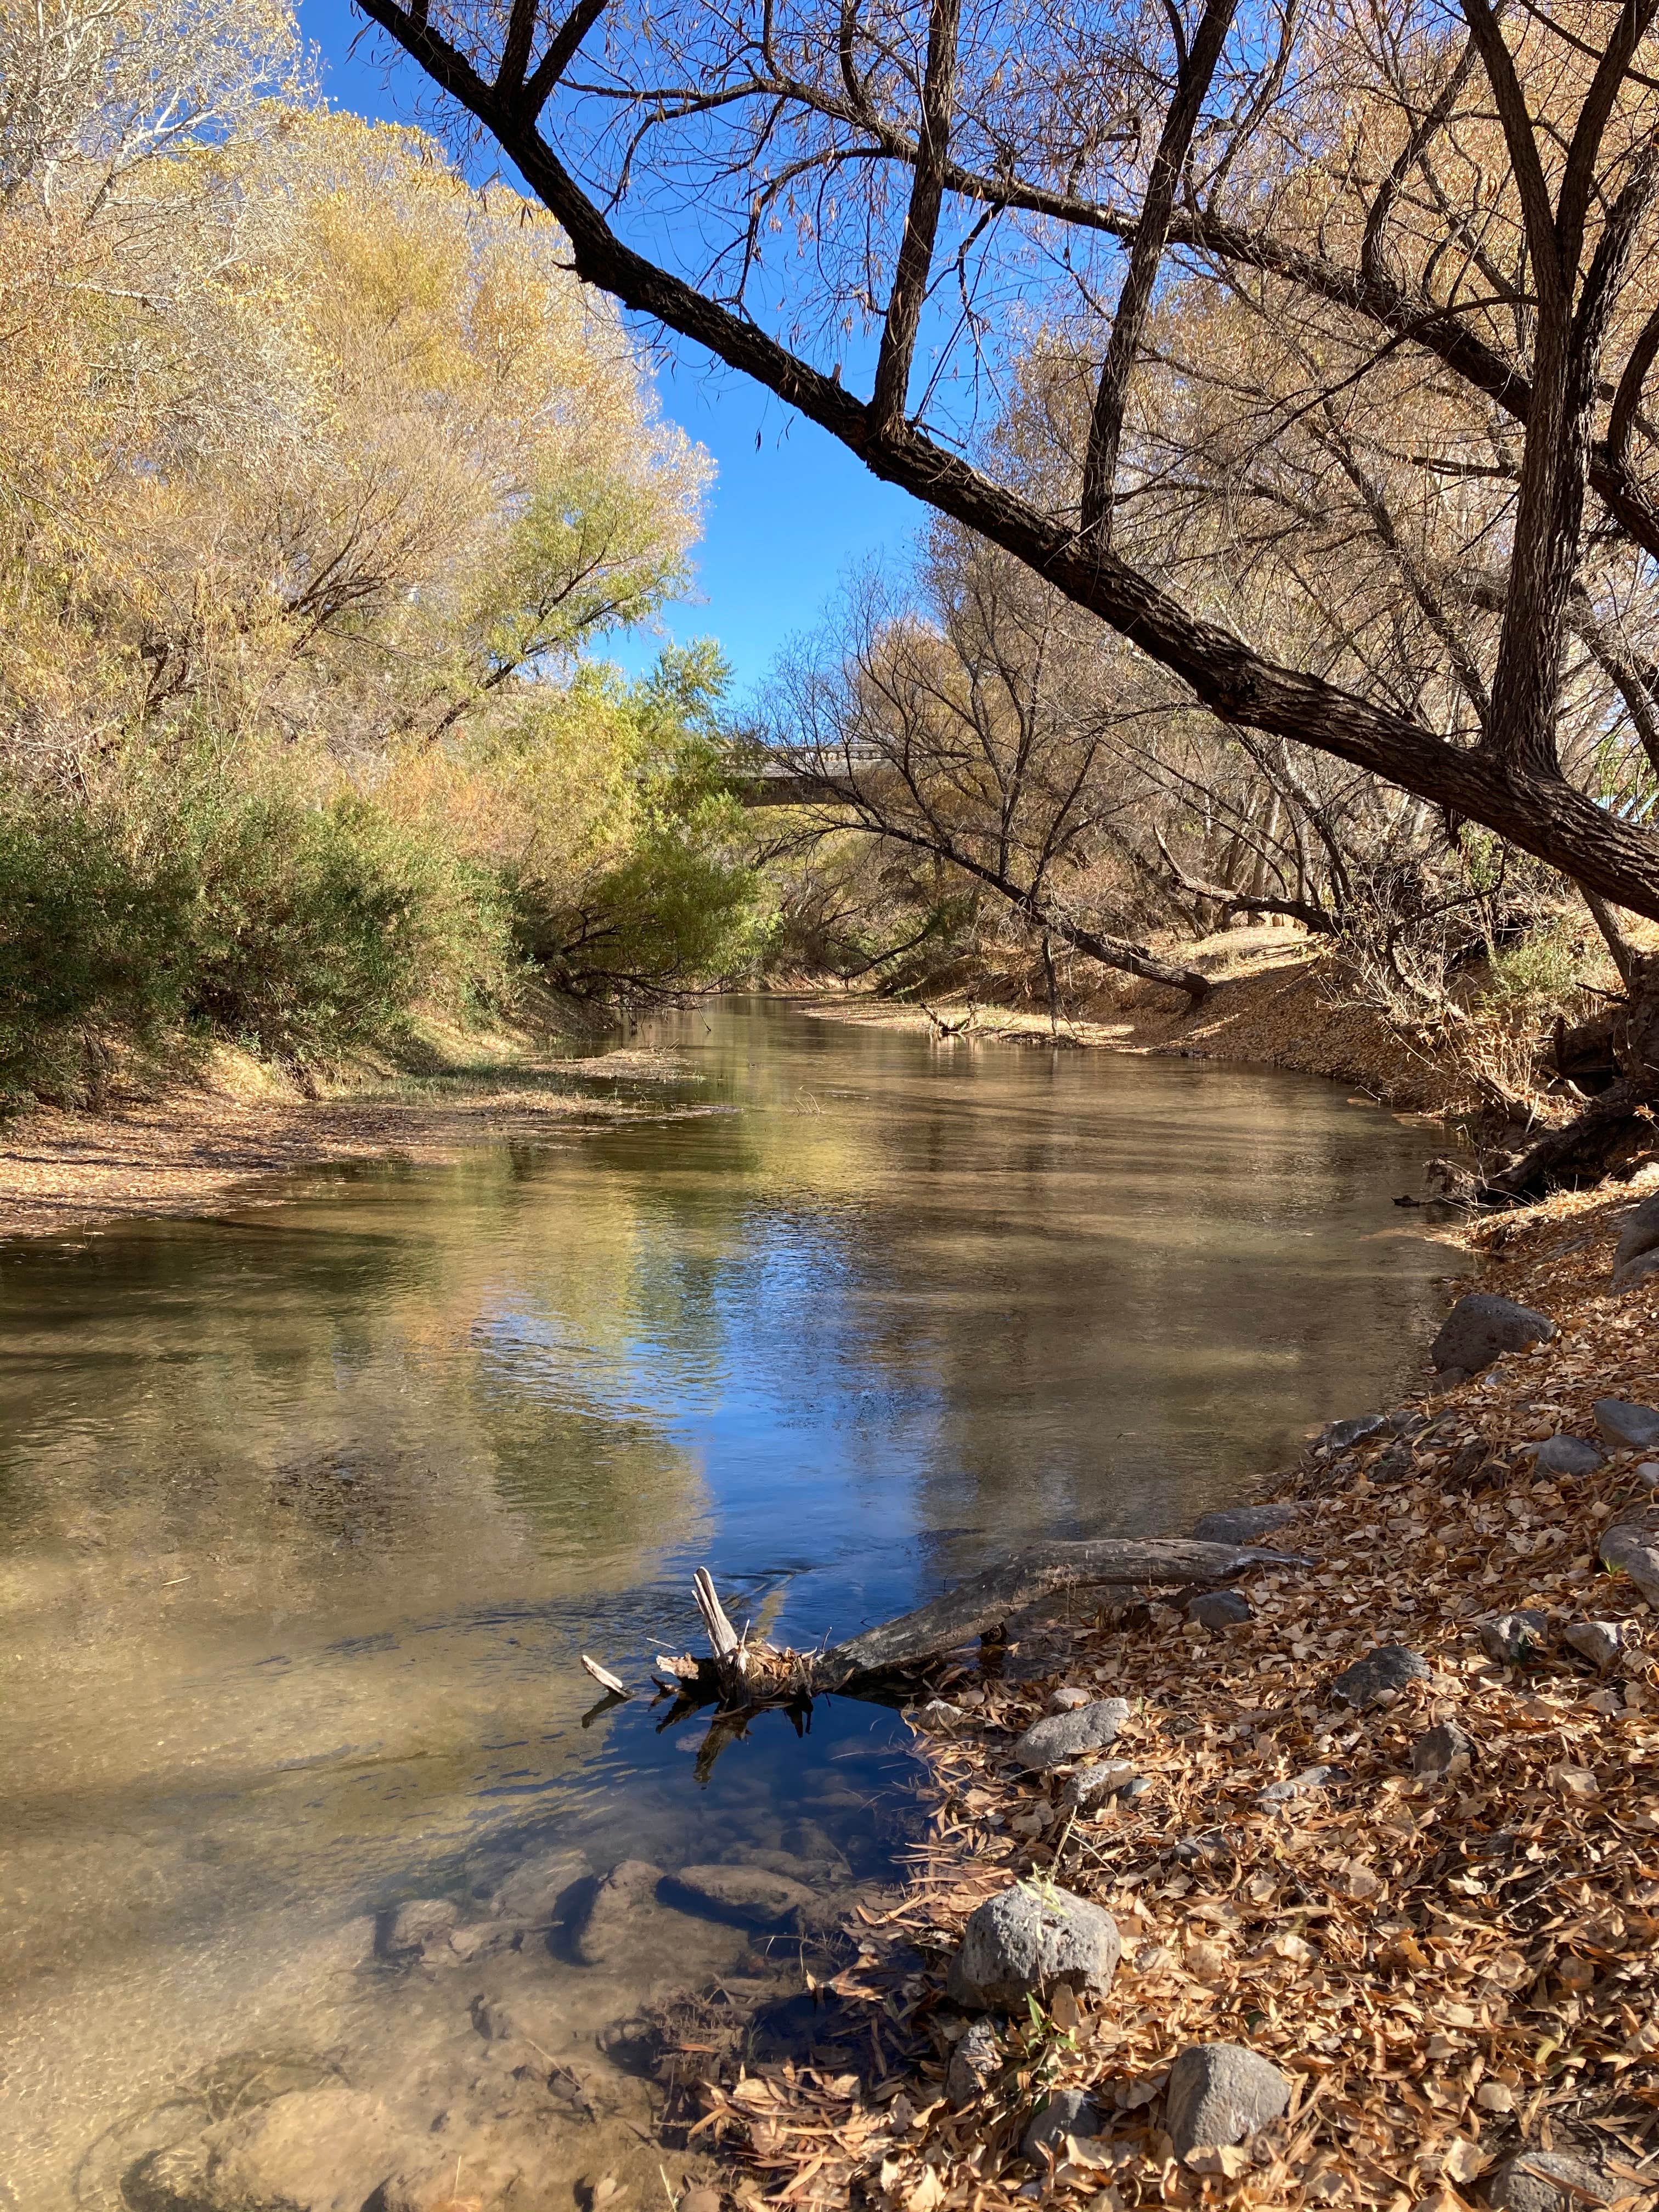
x=307, y=1509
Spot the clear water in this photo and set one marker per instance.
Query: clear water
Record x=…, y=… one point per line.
x=307, y=1508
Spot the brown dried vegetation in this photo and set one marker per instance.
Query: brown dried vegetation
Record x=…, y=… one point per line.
x=1450, y=1971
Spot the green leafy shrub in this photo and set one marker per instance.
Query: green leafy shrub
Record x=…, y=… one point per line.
x=318, y=927
x=299, y=926
x=94, y=937
x=666, y=893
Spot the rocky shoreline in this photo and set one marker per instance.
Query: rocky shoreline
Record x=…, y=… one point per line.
x=1335, y=1885
x=506, y=2046
x=1342, y=1893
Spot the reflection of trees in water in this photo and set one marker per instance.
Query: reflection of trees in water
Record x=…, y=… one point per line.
x=1038, y=1289
x=326, y=1383
x=1111, y=1290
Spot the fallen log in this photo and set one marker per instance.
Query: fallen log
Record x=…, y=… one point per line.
x=990, y=1596
x=754, y=1673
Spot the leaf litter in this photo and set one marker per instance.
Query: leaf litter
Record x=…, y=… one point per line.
x=1450, y=1970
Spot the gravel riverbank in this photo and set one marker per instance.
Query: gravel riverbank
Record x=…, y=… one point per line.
x=1419, y=1892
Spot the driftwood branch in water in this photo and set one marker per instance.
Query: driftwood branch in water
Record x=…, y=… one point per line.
x=603, y=1677
x=992, y=1596
x=747, y=1675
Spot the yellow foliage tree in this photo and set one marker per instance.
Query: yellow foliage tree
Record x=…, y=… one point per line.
x=305, y=437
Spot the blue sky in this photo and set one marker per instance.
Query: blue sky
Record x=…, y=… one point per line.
x=786, y=519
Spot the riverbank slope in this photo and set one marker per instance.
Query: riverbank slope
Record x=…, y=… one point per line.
x=1276, y=997
x=1425, y=1908
x=190, y=1146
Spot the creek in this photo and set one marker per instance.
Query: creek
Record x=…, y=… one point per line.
x=307, y=1509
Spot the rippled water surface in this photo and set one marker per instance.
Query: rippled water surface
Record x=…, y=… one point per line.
x=307, y=1509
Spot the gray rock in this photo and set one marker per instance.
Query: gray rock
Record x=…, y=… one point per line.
x=1397, y=1464
x=419, y=1926
x=1568, y=1456
x=751, y=1892
x=1547, y=2181
x=1598, y=1641
x=1245, y=1524
x=1298, y=1785
x=311, y=2150
x=1068, y=1698
x=1631, y=1549
x=1516, y=1639
x=1051, y=1742
x=1066, y=2113
x=1481, y=1327
x=1337, y=1435
x=974, y=2060
x=477, y=1939
x=1025, y=1941
x=1221, y=1609
x=1632, y=1428
x=1389, y=1668
x=1436, y=1752
x=1220, y=2093
x=1640, y=1234
x=613, y=1910
x=531, y=1893
x=1636, y=1271
x=1090, y=1786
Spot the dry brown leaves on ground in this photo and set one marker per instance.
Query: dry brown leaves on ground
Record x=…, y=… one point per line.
x=1448, y=1970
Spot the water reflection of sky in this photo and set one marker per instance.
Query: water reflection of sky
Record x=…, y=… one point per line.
x=306, y=1511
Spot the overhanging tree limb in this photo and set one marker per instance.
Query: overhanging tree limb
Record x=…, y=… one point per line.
x=1521, y=799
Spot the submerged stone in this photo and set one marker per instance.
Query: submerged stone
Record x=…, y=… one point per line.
x=751, y=1892
x=613, y=1910
x=1245, y=1524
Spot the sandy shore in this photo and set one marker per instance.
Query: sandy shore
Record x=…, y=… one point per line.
x=1273, y=1000
x=193, y=1150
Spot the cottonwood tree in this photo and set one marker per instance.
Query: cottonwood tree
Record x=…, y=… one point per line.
x=302, y=436
x=1470, y=189
x=974, y=727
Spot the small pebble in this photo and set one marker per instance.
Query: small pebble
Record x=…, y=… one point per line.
x=1444, y=1750
x=1598, y=1641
